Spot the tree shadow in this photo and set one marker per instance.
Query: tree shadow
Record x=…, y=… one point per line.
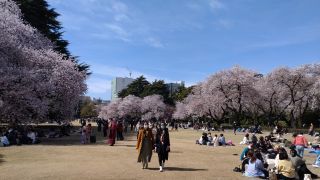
x=179, y=169
x=75, y=139
x=125, y=145
x=1, y=159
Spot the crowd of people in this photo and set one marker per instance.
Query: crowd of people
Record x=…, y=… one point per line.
x=18, y=136
x=267, y=157
x=27, y=134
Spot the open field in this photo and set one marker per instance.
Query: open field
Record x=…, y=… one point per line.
x=65, y=158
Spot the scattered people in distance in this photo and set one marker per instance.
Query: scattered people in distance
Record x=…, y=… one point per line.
x=311, y=130
x=88, y=132
x=245, y=139
x=215, y=141
x=300, y=142
x=235, y=127
x=254, y=139
x=120, y=131
x=112, y=132
x=222, y=140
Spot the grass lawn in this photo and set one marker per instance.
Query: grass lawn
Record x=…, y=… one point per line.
x=66, y=158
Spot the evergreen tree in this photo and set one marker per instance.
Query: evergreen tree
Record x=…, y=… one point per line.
x=39, y=15
x=135, y=88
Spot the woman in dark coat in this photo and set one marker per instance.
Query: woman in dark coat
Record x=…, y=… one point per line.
x=162, y=145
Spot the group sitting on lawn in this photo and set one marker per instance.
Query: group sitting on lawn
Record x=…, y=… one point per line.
x=18, y=136
x=207, y=139
x=262, y=159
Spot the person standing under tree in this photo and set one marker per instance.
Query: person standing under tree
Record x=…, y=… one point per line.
x=162, y=145
x=113, y=132
x=145, y=145
x=234, y=127
x=311, y=130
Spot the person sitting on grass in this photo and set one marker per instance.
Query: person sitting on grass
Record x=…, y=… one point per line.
x=203, y=139
x=32, y=136
x=244, y=157
x=222, y=140
x=255, y=167
x=209, y=143
x=4, y=140
x=52, y=133
x=285, y=167
x=245, y=139
x=262, y=145
x=215, y=141
x=300, y=165
x=254, y=139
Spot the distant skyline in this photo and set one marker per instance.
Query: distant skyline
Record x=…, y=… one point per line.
x=187, y=40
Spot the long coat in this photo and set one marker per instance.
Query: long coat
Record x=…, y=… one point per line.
x=162, y=147
x=113, y=132
x=145, y=134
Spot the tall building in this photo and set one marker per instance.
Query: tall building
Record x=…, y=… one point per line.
x=118, y=84
x=174, y=87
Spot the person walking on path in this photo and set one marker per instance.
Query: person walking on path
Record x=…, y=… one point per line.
x=300, y=142
x=113, y=132
x=235, y=127
x=145, y=145
x=120, y=131
x=162, y=145
x=105, y=128
x=88, y=132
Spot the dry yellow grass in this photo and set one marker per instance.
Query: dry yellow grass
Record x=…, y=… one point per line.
x=65, y=158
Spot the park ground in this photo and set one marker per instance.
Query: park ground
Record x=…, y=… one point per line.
x=66, y=158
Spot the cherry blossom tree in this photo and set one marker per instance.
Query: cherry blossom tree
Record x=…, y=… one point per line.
x=296, y=85
x=153, y=107
x=34, y=78
x=130, y=107
x=111, y=110
x=180, y=111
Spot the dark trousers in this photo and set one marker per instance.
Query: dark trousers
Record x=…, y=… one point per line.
x=302, y=170
x=161, y=159
x=243, y=165
x=105, y=130
x=282, y=177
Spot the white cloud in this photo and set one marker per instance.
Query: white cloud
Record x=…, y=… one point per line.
x=154, y=42
x=119, y=7
x=224, y=23
x=216, y=4
x=120, y=32
x=98, y=85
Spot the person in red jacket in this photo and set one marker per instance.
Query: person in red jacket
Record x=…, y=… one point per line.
x=300, y=142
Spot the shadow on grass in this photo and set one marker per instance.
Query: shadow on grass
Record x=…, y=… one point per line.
x=178, y=169
x=125, y=145
x=1, y=159
x=75, y=140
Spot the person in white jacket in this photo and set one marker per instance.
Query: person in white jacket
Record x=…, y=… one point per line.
x=215, y=141
x=245, y=139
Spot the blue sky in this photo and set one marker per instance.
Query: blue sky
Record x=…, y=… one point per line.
x=187, y=40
